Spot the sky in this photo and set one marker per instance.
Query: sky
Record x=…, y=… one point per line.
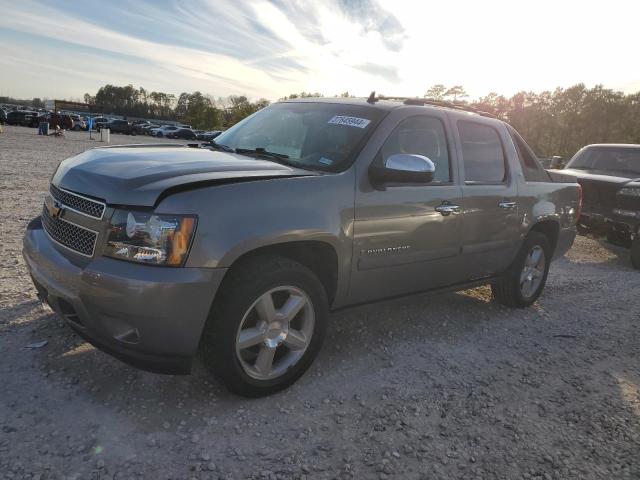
x=65, y=48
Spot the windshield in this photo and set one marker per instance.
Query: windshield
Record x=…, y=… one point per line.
x=619, y=159
x=318, y=136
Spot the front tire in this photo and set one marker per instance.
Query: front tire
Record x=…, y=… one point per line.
x=523, y=282
x=266, y=326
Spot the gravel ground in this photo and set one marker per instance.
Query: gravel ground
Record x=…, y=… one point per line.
x=443, y=387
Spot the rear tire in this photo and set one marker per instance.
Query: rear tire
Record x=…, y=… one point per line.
x=291, y=341
x=635, y=252
x=523, y=282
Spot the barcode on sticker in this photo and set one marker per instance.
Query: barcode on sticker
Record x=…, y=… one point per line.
x=350, y=121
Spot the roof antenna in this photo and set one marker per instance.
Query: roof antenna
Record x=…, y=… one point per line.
x=372, y=98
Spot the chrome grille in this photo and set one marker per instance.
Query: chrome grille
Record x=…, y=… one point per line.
x=69, y=235
x=84, y=205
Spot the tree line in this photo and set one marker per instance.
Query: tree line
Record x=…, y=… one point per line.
x=557, y=122
x=197, y=109
x=562, y=121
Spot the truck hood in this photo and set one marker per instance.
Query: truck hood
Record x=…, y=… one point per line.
x=138, y=175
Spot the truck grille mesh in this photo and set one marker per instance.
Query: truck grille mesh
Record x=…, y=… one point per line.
x=83, y=205
x=71, y=236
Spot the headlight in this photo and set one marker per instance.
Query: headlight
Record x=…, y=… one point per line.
x=150, y=238
x=630, y=191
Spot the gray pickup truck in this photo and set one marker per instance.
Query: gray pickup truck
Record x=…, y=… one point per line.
x=240, y=250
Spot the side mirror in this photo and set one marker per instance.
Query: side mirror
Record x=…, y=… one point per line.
x=557, y=162
x=403, y=168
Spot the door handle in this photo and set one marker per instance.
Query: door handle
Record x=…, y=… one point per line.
x=445, y=209
x=507, y=205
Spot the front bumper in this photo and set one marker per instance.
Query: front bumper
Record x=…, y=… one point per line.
x=148, y=316
x=616, y=221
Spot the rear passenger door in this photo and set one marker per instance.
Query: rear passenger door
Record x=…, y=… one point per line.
x=490, y=230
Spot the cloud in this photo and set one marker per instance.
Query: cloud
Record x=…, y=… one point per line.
x=270, y=48
x=231, y=72
x=266, y=48
x=374, y=18
x=387, y=72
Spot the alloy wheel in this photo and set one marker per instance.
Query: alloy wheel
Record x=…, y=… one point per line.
x=533, y=271
x=275, y=332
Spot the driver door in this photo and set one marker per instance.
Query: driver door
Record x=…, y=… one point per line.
x=402, y=243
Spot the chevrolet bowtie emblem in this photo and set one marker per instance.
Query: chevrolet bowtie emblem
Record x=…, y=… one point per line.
x=54, y=208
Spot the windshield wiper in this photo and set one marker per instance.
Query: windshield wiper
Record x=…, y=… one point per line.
x=261, y=152
x=219, y=146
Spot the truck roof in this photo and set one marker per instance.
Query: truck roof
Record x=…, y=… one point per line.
x=391, y=103
x=614, y=145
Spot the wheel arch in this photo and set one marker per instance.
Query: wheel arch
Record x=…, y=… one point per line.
x=549, y=228
x=318, y=256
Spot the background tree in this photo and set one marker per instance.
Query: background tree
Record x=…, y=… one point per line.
x=240, y=107
x=197, y=110
x=455, y=93
x=302, y=95
x=436, y=92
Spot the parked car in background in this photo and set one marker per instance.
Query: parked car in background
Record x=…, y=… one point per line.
x=62, y=120
x=146, y=129
x=208, y=136
x=240, y=250
x=20, y=117
x=139, y=126
x=120, y=126
x=182, y=133
x=100, y=122
x=78, y=122
x=3, y=116
x=610, y=179
x=35, y=120
x=162, y=131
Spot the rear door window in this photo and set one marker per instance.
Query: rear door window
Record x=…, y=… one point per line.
x=482, y=153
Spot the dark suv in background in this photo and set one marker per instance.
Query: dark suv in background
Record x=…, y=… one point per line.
x=183, y=133
x=62, y=120
x=610, y=179
x=120, y=126
x=100, y=122
x=20, y=117
x=139, y=126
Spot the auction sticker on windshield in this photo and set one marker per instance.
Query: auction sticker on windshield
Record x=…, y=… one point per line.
x=350, y=121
